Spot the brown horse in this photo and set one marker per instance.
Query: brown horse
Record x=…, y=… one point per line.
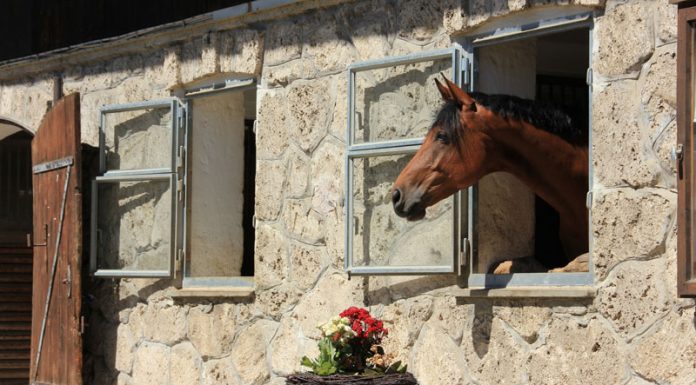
x=476, y=134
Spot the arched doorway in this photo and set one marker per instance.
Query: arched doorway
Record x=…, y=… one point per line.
x=15, y=255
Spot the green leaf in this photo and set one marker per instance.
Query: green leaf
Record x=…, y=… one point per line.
x=307, y=362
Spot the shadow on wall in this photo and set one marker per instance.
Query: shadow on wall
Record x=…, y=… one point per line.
x=485, y=311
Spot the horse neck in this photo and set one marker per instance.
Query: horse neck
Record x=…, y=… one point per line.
x=553, y=168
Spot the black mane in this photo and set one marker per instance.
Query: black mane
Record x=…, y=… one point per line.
x=542, y=116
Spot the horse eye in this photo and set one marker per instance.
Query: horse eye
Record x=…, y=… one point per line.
x=442, y=137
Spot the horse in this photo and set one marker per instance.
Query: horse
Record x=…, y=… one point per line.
x=475, y=134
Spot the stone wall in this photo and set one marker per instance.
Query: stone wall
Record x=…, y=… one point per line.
x=634, y=331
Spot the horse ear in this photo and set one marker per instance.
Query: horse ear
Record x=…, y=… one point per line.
x=444, y=91
x=459, y=95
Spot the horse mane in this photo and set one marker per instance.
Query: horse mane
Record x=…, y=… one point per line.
x=543, y=116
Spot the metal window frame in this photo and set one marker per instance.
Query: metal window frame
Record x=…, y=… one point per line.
x=209, y=90
x=172, y=173
x=583, y=20
x=172, y=103
x=396, y=147
x=121, y=273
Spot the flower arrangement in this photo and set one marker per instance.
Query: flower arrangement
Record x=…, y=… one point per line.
x=351, y=343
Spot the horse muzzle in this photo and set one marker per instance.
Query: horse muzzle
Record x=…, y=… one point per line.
x=411, y=209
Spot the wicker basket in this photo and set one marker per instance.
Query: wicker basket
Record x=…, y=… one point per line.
x=341, y=379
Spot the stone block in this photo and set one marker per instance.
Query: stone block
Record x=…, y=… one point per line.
x=161, y=69
x=450, y=317
x=273, y=133
x=419, y=20
x=186, y=364
x=404, y=320
x=327, y=172
x=302, y=222
x=629, y=224
x=339, y=119
x=283, y=42
x=437, y=360
x=151, y=364
x=666, y=21
x=332, y=294
x=306, y=263
x=220, y=372
x=126, y=345
x=198, y=58
x=489, y=346
x=325, y=50
x=270, y=186
x=666, y=354
x=211, y=329
x=249, y=352
x=309, y=117
x=297, y=173
x=615, y=125
x=241, y=51
x=579, y=353
x=526, y=318
x=281, y=75
x=288, y=347
x=164, y=323
x=271, y=253
x=370, y=25
x=625, y=39
x=277, y=300
x=634, y=295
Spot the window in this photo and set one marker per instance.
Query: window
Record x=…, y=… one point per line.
x=391, y=106
x=176, y=188
x=686, y=124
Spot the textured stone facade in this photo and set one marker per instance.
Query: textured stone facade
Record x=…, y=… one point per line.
x=634, y=331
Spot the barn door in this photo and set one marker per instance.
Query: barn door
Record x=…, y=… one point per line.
x=56, y=340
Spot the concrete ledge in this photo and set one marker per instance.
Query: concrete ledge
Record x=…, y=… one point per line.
x=217, y=292
x=528, y=292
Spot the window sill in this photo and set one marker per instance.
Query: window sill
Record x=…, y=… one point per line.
x=528, y=292
x=214, y=292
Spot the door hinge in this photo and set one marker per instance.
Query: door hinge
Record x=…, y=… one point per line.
x=180, y=189
x=255, y=127
x=678, y=158
x=588, y=77
x=466, y=74
x=82, y=324
x=588, y=200
x=180, y=157
x=464, y=255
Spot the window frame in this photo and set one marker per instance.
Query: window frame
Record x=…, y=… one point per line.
x=171, y=173
x=561, y=23
x=686, y=123
x=354, y=150
x=178, y=173
x=466, y=235
x=212, y=89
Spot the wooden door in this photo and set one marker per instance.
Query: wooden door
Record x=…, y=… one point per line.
x=56, y=339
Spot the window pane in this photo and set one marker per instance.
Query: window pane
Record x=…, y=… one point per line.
x=139, y=139
x=216, y=186
x=134, y=225
x=380, y=237
x=397, y=102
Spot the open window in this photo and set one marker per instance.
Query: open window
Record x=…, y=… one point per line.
x=392, y=102
x=175, y=191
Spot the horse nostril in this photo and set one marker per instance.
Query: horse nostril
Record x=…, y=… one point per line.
x=396, y=196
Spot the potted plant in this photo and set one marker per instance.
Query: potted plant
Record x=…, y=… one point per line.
x=350, y=352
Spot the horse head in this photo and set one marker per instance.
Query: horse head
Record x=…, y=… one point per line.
x=453, y=155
